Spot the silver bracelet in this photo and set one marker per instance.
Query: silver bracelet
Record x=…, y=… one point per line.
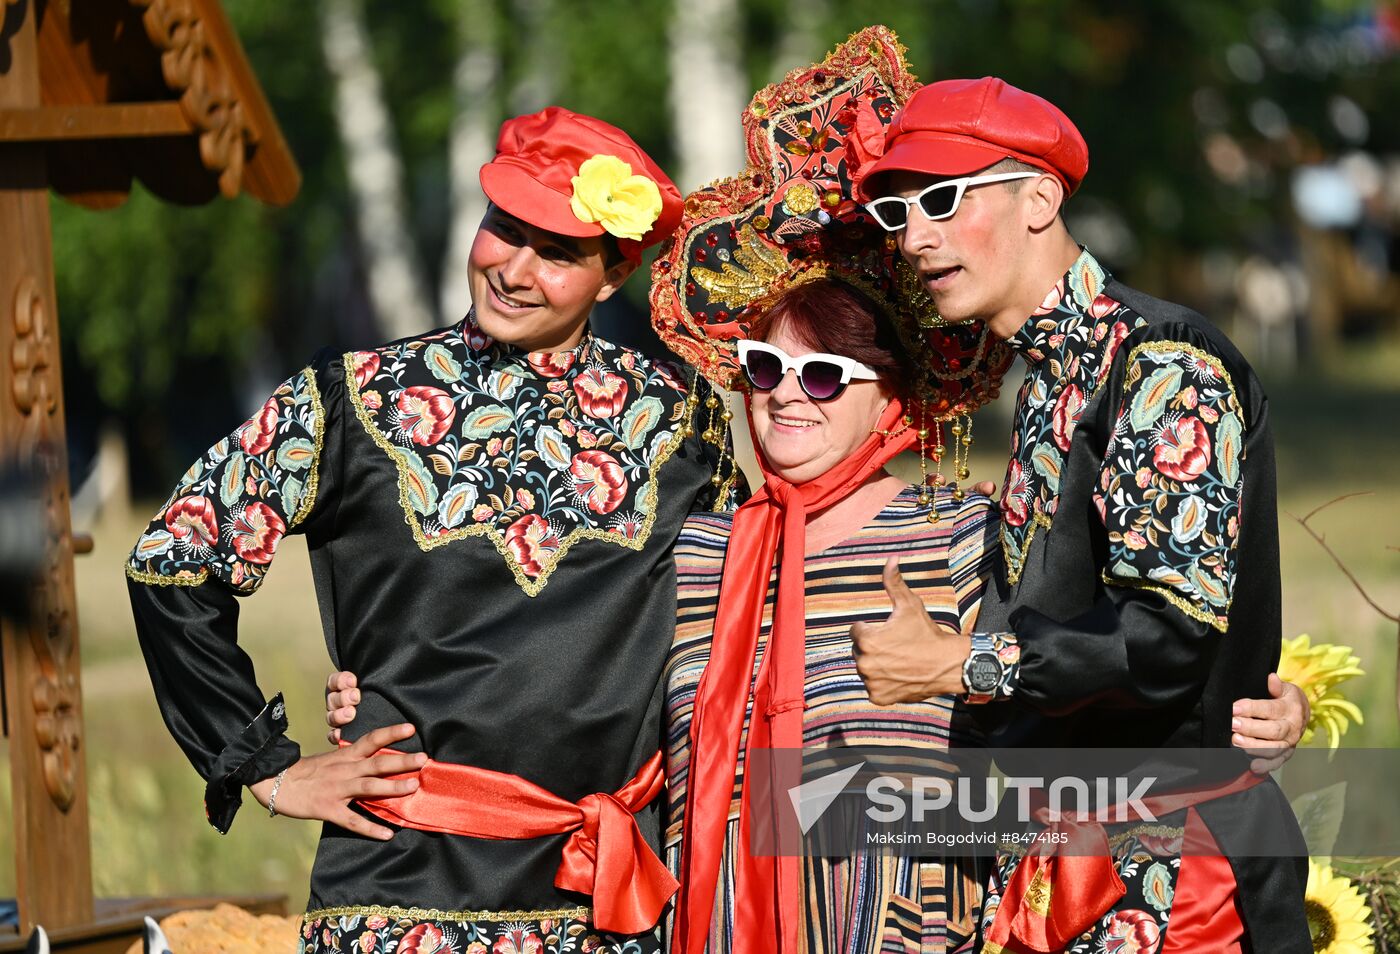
x=272, y=799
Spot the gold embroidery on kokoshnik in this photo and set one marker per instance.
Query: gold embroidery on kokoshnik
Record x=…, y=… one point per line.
x=739, y=283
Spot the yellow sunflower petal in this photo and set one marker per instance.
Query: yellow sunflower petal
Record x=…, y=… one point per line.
x=1317, y=671
x=1338, y=916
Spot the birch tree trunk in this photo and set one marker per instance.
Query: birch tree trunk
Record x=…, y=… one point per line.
x=805, y=41
x=708, y=90
x=475, y=81
x=471, y=144
x=537, y=83
x=397, y=289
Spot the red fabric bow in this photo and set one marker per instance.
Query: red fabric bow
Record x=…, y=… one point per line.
x=1068, y=880
x=1082, y=885
x=767, y=907
x=605, y=856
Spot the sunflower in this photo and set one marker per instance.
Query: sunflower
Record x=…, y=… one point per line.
x=1317, y=670
x=1338, y=919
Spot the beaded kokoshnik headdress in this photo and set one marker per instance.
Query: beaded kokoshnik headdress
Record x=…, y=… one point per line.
x=790, y=217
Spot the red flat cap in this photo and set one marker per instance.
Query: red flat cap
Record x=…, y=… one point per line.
x=955, y=127
x=539, y=158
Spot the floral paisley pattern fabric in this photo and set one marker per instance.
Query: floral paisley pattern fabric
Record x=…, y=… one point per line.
x=532, y=451
x=1148, y=860
x=410, y=931
x=1144, y=436
x=1069, y=342
x=1170, y=485
x=234, y=505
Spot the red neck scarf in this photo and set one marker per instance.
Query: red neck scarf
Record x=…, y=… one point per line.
x=768, y=889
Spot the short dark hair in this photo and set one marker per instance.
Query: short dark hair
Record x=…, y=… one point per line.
x=1010, y=164
x=612, y=252
x=827, y=314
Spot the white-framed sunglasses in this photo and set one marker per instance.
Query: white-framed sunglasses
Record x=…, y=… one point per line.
x=938, y=201
x=821, y=376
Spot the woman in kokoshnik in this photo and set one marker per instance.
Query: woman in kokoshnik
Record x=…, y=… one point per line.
x=782, y=256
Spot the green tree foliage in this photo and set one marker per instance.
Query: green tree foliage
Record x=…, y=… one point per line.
x=147, y=289
x=169, y=313
x=157, y=301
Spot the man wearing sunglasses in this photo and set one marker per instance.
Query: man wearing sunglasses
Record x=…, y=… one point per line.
x=1138, y=594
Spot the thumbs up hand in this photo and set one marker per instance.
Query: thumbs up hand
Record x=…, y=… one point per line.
x=908, y=657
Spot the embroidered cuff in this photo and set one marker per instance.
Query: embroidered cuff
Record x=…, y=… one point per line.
x=260, y=751
x=1008, y=650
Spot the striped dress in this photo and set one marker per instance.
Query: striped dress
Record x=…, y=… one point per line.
x=871, y=902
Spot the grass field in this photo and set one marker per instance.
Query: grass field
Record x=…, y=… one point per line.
x=1337, y=433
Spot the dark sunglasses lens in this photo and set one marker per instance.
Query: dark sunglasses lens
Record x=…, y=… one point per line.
x=890, y=213
x=939, y=202
x=763, y=370
x=821, y=380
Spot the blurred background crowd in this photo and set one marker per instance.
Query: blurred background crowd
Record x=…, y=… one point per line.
x=1245, y=161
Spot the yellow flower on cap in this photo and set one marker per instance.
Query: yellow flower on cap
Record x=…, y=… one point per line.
x=606, y=192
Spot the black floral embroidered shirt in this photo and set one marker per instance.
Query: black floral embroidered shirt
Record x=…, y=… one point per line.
x=1161, y=489
x=1138, y=593
x=491, y=539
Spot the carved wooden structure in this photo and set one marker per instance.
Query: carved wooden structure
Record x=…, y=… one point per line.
x=93, y=95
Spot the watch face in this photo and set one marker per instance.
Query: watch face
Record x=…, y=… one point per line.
x=983, y=672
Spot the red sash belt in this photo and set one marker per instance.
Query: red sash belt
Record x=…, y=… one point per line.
x=1055, y=896
x=605, y=855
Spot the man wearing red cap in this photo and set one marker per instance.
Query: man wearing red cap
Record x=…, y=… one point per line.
x=1139, y=591
x=478, y=501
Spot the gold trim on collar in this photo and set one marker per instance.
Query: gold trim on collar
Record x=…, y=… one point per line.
x=532, y=587
x=1016, y=565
